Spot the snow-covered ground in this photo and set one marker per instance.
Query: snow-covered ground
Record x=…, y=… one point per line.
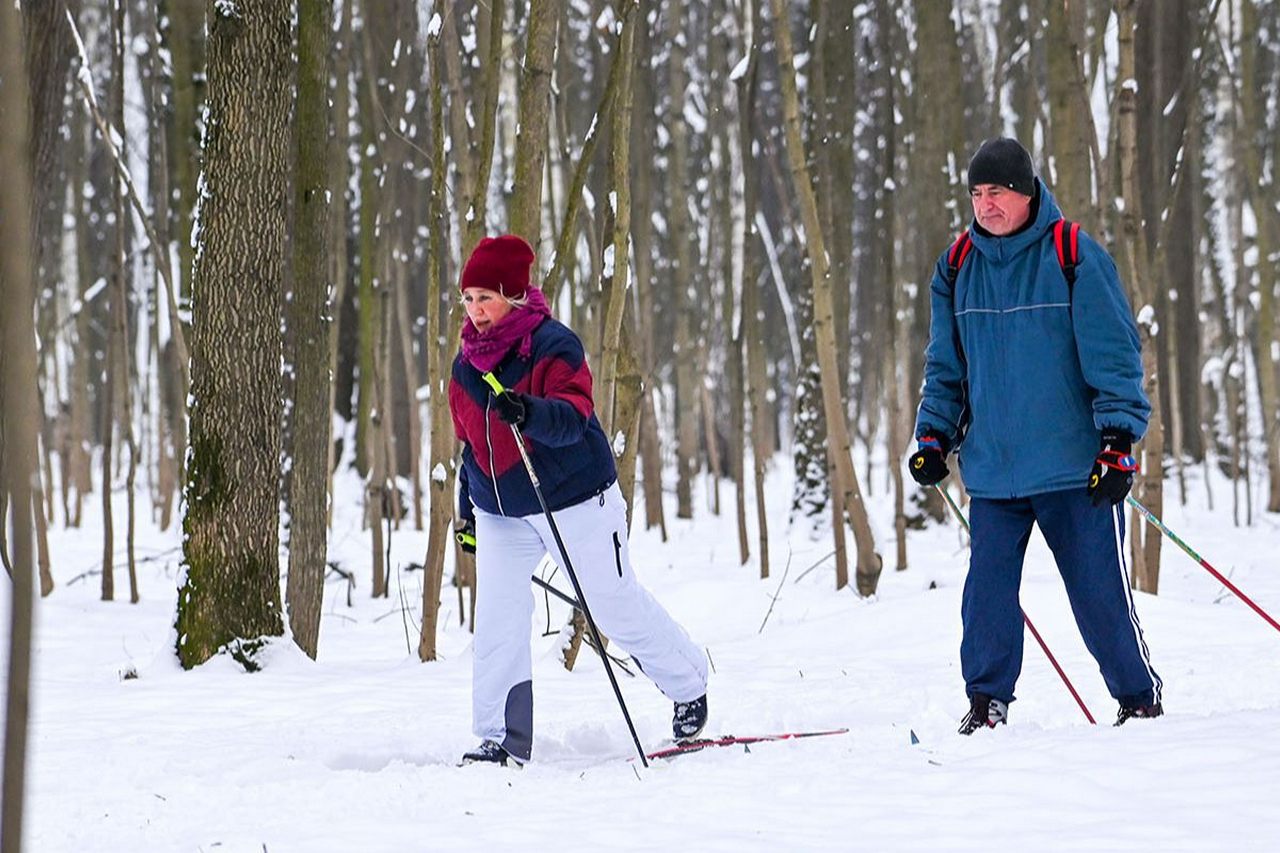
x=357, y=751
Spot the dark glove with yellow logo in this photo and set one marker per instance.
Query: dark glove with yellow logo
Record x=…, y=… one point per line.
x=928, y=465
x=1113, y=470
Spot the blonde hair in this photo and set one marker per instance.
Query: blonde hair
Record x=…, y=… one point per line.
x=520, y=301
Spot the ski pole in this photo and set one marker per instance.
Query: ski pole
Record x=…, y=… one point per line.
x=568, y=567
x=567, y=599
x=1026, y=620
x=1159, y=525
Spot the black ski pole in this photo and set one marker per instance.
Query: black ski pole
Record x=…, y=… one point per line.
x=569, y=600
x=568, y=567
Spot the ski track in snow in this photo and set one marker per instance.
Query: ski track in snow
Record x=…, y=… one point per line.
x=358, y=751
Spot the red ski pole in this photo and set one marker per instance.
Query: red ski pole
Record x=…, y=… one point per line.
x=1043, y=645
x=1159, y=525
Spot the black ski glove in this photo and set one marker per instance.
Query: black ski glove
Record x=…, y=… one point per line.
x=466, y=536
x=1113, y=470
x=511, y=407
x=928, y=465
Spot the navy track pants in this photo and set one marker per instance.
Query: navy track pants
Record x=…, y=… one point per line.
x=1088, y=545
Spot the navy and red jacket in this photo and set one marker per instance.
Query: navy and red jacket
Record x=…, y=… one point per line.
x=562, y=435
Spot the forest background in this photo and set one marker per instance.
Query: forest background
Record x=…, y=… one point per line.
x=233, y=231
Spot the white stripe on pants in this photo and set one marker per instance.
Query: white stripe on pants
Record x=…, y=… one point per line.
x=508, y=551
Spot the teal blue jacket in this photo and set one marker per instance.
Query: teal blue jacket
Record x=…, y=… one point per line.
x=1023, y=374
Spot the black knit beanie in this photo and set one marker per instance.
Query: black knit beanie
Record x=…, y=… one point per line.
x=1004, y=162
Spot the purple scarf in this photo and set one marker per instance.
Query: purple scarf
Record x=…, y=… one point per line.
x=485, y=350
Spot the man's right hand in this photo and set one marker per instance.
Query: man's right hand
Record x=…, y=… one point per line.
x=466, y=536
x=928, y=465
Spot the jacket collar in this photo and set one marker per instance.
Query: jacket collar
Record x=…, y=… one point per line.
x=1001, y=249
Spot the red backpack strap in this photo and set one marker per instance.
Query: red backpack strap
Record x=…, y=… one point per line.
x=1066, y=239
x=956, y=254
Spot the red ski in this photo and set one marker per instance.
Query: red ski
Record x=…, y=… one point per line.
x=732, y=740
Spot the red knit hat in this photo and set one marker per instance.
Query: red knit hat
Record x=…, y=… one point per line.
x=500, y=264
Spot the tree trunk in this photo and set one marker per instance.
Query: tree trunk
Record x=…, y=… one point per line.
x=476, y=212
x=642, y=231
x=80, y=458
x=1072, y=176
x=186, y=45
x=230, y=596
x=845, y=485
x=17, y=418
x=684, y=305
x=755, y=379
x=169, y=415
x=440, y=483
x=308, y=495
x=339, y=172
x=617, y=267
x=1150, y=486
x=525, y=208
x=1261, y=185
x=370, y=286
x=119, y=365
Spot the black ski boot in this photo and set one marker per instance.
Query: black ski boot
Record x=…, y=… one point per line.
x=490, y=752
x=690, y=719
x=1138, y=712
x=984, y=713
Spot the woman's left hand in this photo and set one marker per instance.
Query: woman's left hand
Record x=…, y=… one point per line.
x=511, y=408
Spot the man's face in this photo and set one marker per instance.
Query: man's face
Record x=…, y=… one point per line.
x=998, y=209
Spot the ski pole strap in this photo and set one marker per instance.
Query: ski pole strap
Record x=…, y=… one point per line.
x=492, y=382
x=1118, y=460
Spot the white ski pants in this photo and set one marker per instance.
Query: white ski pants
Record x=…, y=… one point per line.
x=508, y=551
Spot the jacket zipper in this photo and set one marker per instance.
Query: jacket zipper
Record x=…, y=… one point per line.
x=488, y=440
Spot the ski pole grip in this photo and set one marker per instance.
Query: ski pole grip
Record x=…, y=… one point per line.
x=493, y=383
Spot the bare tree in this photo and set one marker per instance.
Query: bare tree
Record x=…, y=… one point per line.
x=844, y=484
x=442, y=457
x=17, y=417
x=230, y=596
x=525, y=208
x=308, y=511
x=682, y=271
x=617, y=265
x=1146, y=553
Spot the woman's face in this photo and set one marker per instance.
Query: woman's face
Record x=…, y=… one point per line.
x=486, y=308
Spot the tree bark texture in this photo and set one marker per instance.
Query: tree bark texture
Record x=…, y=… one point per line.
x=230, y=594
x=525, y=207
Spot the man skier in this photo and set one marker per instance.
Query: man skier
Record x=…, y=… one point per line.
x=1033, y=374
